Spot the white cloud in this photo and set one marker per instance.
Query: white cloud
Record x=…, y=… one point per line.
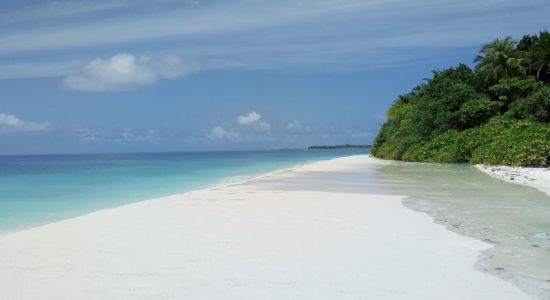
x=183, y=21
x=249, y=119
x=173, y=22
x=124, y=135
x=254, y=128
x=263, y=126
x=87, y=134
x=219, y=133
x=33, y=69
x=297, y=127
x=257, y=34
x=57, y=9
x=13, y=123
x=253, y=119
x=125, y=71
x=134, y=135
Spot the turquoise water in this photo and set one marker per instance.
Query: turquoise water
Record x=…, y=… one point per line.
x=39, y=189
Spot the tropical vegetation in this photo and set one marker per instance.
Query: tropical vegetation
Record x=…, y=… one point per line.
x=497, y=113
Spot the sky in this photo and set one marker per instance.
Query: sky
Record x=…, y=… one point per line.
x=191, y=75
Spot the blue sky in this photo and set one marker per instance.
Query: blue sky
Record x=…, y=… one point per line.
x=132, y=76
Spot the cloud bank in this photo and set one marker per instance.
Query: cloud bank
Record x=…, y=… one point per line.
x=297, y=127
x=256, y=34
x=125, y=71
x=120, y=135
x=11, y=123
x=251, y=127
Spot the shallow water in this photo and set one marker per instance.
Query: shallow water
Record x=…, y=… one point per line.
x=39, y=189
x=515, y=219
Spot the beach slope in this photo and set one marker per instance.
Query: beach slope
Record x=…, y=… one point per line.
x=301, y=233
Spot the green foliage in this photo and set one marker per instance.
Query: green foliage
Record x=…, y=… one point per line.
x=540, y=56
x=535, y=49
x=433, y=108
x=447, y=147
x=441, y=104
x=534, y=107
x=511, y=89
x=527, y=43
x=512, y=142
x=501, y=141
x=477, y=111
x=500, y=59
x=499, y=114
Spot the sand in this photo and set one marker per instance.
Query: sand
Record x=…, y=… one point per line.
x=251, y=240
x=538, y=178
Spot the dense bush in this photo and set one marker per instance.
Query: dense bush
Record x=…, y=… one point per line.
x=534, y=107
x=462, y=116
x=446, y=147
x=510, y=89
x=512, y=142
x=502, y=140
x=477, y=111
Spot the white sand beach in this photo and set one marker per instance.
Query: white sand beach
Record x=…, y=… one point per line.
x=538, y=178
x=258, y=239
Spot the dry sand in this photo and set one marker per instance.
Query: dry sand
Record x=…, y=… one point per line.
x=251, y=241
x=538, y=178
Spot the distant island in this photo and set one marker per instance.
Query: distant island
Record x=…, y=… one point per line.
x=346, y=146
x=496, y=114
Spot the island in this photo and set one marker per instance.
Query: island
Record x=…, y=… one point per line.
x=496, y=114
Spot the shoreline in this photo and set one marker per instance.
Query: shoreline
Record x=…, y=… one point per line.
x=259, y=237
x=538, y=178
x=234, y=179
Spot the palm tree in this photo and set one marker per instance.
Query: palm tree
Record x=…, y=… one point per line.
x=540, y=55
x=500, y=59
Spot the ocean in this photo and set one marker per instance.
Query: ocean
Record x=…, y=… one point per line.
x=39, y=189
